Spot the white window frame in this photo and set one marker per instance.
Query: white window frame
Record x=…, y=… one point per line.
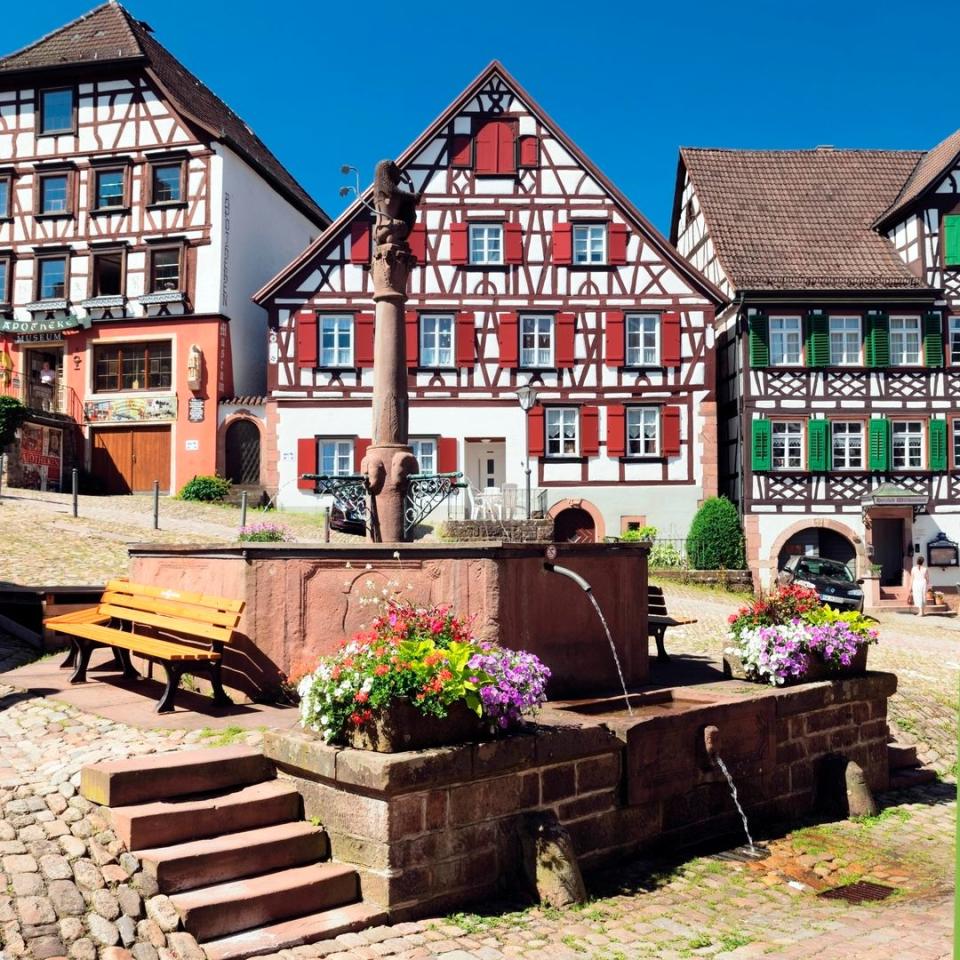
x=479, y=237
x=638, y=326
x=6, y=280
x=841, y=435
x=911, y=446
x=432, y=354
x=956, y=443
x=953, y=341
x=587, y=234
x=562, y=419
x=788, y=435
x=342, y=454
x=639, y=418
x=850, y=335
x=340, y=354
x=899, y=331
x=537, y=325
x=782, y=331
x=425, y=450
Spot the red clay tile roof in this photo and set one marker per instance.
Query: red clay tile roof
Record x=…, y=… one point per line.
x=801, y=219
x=110, y=33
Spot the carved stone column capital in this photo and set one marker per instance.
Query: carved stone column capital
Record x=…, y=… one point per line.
x=391, y=267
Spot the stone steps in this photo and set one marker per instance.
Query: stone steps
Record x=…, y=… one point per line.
x=901, y=756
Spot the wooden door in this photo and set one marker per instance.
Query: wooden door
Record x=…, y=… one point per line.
x=129, y=459
x=151, y=458
x=112, y=462
x=242, y=445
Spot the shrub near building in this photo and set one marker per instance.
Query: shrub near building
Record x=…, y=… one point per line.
x=715, y=540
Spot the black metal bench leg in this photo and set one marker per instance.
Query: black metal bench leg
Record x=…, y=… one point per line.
x=661, y=649
x=165, y=703
x=220, y=698
x=71, y=658
x=130, y=672
x=82, y=649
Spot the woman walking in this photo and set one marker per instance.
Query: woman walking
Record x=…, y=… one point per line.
x=918, y=586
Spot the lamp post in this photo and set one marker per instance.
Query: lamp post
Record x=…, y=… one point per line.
x=527, y=396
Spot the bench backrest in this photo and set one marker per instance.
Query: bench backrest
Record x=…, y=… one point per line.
x=196, y=615
x=656, y=602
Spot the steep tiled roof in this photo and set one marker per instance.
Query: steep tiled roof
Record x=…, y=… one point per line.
x=802, y=219
x=110, y=33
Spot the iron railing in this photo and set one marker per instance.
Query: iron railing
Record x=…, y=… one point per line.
x=55, y=398
x=497, y=503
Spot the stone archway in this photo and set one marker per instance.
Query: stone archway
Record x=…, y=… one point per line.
x=796, y=530
x=577, y=521
x=240, y=448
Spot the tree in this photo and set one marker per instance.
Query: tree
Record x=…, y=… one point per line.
x=12, y=414
x=715, y=540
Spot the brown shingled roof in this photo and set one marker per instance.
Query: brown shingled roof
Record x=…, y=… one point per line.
x=802, y=219
x=110, y=33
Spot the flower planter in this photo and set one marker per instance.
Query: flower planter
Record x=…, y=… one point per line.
x=817, y=669
x=401, y=726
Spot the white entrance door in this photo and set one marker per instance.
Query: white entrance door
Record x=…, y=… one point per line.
x=486, y=463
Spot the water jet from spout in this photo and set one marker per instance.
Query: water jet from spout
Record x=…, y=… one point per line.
x=715, y=756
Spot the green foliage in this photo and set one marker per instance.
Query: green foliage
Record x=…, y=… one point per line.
x=715, y=540
x=207, y=489
x=12, y=414
x=856, y=622
x=639, y=534
x=665, y=556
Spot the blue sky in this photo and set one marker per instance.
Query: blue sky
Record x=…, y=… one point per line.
x=330, y=83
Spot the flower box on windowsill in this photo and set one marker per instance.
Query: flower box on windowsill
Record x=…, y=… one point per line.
x=163, y=296
x=817, y=669
x=401, y=726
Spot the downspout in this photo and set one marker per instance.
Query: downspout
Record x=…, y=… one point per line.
x=741, y=394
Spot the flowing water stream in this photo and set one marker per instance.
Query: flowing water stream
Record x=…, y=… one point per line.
x=736, y=800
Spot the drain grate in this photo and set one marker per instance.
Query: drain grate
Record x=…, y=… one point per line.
x=859, y=892
x=744, y=854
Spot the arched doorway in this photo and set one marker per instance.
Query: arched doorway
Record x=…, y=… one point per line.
x=574, y=525
x=820, y=541
x=242, y=452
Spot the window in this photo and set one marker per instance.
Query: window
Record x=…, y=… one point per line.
x=847, y=446
x=52, y=278
x=845, y=341
x=495, y=146
x=436, y=341
x=907, y=444
x=561, y=431
x=954, y=346
x=4, y=197
x=56, y=111
x=536, y=341
x=784, y=341
x=132, y=366
x=5, y=280
x=108, y=189
x=787, y=444
x=165, y=269
x=905, y=341
x=643, y=428
x=107, y=274
x=486, y=243
x=336, y=458
x=589, y=243
x=53, y=194
x=426, y=453
x=336, y=341
x=642, y=335
x=956, y=444
x=166, y=187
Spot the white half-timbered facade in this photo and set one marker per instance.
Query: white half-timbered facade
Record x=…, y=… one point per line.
x=533, y=269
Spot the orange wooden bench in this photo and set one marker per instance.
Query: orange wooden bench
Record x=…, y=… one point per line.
x=186, y=632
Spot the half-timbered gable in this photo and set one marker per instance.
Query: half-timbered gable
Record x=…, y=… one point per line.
x=534, y=269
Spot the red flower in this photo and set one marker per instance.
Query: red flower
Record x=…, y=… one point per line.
x=362, y=697
x=445, y=675
x=733, y=618
x=381, y=669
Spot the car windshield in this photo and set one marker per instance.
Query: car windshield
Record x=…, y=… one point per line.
x=824, y=568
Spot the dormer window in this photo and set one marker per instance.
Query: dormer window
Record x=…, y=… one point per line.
x=56, y=111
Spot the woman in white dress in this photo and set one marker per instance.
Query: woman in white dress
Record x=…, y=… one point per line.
x=918, y=585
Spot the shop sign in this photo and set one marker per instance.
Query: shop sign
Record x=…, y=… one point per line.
x=195, y=411
x=41, y=456
x=53, y=325
x=130, y=409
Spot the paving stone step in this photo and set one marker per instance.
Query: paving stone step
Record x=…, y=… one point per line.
x=294, y=933
x=900, y=756
x=226, y=908
x=200, y=863
x=120, y=783
x=165, y=822
x=903, y=779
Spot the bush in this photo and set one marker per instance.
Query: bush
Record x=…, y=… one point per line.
x=264, y=533
x=715, y=540
x=208, y=489
x=638, y=534
x=12, y=414
x=665, y=556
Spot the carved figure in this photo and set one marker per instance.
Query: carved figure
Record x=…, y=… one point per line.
x=396, y=208
x=194, y=367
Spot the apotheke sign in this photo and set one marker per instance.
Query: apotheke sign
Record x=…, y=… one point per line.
x=25, y=327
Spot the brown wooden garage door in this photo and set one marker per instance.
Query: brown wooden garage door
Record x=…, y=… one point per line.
x=129, y=459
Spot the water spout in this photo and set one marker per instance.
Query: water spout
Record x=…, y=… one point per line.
x=715, y=756
x=588, y=590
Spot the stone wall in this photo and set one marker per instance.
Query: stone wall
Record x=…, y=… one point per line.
x=516, y=531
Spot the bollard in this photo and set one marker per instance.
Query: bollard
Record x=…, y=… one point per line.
x=156, y=504
x=75, y=482
x=326, y=524
x=243, y=508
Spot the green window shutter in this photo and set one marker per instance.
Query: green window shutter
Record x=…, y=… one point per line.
x=818, y=339
x=880, y=444
x=951, y=241
x=877, y=344
x=759, y=340
x=818, y=445
x=933, y=340
x=938, y=444
x=762, y=448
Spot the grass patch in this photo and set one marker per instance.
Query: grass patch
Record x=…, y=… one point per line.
x=905, y=724
x=574, y=943
x=731, y=941
x=886, y=815
x=221, y=738
x=698, y=943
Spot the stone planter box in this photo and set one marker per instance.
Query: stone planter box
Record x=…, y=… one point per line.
x=401, y=726
x=816, y=670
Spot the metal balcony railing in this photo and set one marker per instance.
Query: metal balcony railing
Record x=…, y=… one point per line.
x=508, y=502
x=55, y=398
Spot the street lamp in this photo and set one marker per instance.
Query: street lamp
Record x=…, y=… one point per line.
x=527, y=396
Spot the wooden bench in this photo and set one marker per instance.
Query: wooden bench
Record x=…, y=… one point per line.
x=183, y=631
x=658, y=620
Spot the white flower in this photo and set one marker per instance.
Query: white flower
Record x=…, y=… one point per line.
x=369, y=566
x=396, y=554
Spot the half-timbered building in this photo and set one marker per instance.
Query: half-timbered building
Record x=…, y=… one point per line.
x=138, y=213
x=533, y=269
x=839, y=352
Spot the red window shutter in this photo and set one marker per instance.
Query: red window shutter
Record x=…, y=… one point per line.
x=506, y=146
x=617, y=243
x=461, y=152
x=306, y=462
x=359, y=452
x=458, y=243
x=529, y=151
x=447, y=455
x=306, y=338
x=589, y=431
x=360, y=242
x=508, y=339
x=413, y=338
x=616, y=430
x=513, y=243
x=614, y=332
x=363, y=348
x=535, y=447
x=466, y=348
x=566, y=326
x=487, y=147
x=670, y=432
x=418, y=242
x=563, y=243
x=670, y=339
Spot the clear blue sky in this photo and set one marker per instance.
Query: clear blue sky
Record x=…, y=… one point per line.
x=329, y=83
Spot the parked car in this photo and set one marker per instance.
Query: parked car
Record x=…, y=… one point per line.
x=347, y=522
x=832, y=580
